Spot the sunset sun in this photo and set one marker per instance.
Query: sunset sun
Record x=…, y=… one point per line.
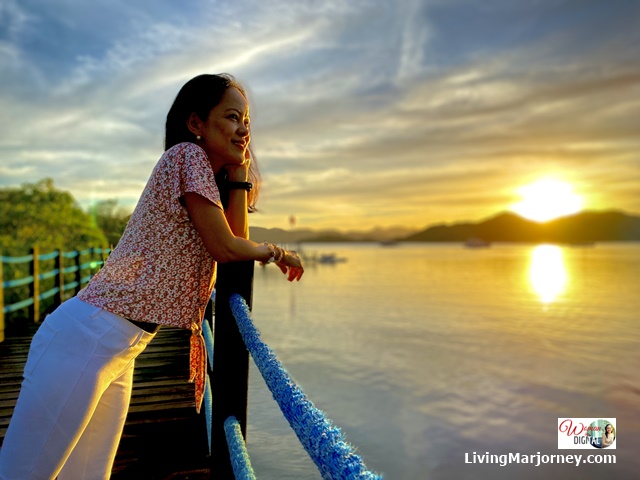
x=547, y=199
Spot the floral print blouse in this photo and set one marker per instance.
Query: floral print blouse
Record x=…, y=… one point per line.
x=160, y=271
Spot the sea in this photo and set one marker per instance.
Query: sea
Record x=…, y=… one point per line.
x=429, y=356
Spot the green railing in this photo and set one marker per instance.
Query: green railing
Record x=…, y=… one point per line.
x=81, y=263
x=234, y=337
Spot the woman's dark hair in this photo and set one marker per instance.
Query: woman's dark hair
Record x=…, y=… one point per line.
x=200, y=95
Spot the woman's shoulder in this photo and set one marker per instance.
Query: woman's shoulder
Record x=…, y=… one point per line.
x=184, y=149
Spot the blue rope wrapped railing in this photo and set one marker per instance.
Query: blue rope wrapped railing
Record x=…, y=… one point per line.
x=14, y=307
x=49, y=293
x=208, y=396
x=322, y=440
x=48, y=256
x=49, y=274
x=240, y=462
x=33, y=279
x=18, y=282
x=23, y=259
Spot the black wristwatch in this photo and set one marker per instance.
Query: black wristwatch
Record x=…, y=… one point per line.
x=243, y=185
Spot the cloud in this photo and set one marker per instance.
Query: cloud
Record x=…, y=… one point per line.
x=362, y=109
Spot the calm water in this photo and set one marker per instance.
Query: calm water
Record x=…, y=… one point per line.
x=421, y=353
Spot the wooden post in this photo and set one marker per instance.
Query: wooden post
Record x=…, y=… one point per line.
x=230, y=376
x=1, y=303
x=78, y=273
x=59, y=265
x=34, y=290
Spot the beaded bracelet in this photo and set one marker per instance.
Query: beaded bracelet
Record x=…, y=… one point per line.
x=279, y=254
x=272, y=249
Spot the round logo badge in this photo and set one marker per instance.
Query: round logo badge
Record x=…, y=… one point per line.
x=601, y=433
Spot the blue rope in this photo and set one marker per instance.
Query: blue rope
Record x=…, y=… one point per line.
x=18, y=306
x=24, y=259
x=48, y=256
x=208, y=341
x=17, y=283
x=208, y=396
x=240, y=462
x=208, y=408
x=322, y=440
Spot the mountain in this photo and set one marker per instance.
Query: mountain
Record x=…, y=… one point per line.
x=508, y=227
x=278, y=235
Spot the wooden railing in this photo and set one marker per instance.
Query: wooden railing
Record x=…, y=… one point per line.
x=234, y=338
x=81, y=263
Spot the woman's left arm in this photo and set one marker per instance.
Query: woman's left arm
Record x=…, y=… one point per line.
x=236, y=212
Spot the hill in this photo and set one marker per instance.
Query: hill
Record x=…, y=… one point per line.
x=278, y=235
x=508, y=227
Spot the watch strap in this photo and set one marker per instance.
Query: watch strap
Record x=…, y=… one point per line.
x=241, y=185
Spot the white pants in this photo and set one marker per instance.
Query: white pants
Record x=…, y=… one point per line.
x=75, y=395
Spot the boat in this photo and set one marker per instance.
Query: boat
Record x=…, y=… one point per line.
x=330, y=258
x=476, y=243
x=388, y=243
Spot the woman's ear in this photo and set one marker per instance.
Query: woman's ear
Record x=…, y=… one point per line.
x=194, y=124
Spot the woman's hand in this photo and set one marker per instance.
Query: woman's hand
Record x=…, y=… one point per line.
x=239, y=172
x=291, y=261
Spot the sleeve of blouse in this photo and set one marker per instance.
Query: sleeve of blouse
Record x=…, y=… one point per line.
x=193, y=174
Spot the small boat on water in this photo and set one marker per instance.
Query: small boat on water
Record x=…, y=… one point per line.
x=330, y=258
x=388, y=243
x=325, y=258
x=476, y=243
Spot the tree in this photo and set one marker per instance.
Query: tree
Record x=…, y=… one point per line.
x=110, y=218
x=39, y=214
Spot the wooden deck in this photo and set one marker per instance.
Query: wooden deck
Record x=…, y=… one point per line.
x=163, y=438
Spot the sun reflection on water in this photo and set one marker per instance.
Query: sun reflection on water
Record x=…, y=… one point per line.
x=547, y=272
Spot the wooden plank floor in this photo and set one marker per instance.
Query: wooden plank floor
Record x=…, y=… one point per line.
x=163, y=437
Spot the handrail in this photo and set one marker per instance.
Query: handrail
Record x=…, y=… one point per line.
x=33, y=278
x=240, y=462
x=322, y=440
x=230, y=373
x=208, y=398
x=23, y=259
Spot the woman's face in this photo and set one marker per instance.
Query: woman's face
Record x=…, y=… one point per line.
x=225, y=134
x=608, y=429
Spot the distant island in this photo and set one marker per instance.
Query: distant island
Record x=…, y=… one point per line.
x=584, y=227
x=378, y=234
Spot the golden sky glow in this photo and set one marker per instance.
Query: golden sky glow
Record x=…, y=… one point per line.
x=547, y=199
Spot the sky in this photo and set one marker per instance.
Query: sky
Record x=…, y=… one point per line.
x=364, y=113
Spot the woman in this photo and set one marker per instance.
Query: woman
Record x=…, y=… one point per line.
x=608, y=436
x=77, y=380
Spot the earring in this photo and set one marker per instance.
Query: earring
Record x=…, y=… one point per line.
x=198, y=137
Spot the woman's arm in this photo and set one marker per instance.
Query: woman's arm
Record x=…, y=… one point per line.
x=236, y=213
x=221, y=243
x=216, y=233
x=237, y=208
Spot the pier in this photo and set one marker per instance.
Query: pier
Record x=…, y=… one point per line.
x=164, y=438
